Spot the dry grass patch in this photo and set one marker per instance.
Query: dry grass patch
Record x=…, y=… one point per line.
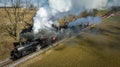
x=6, y=42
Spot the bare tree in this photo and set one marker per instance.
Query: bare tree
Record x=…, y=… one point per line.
x=15, y=15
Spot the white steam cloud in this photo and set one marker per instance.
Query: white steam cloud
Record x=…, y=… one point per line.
x=84, y=21
x=51, y=10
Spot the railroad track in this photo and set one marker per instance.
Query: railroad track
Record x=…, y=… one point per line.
x=6, y=62
x=10, y=63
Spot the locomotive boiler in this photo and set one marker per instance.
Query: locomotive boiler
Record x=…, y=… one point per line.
x=22, y=49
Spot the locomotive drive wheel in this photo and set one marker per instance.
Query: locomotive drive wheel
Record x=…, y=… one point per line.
x=24, y=53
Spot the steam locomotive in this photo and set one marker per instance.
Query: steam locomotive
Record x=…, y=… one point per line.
x=22, y=49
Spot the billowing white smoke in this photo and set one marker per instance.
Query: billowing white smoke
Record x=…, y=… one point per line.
x=43, y=20
x=60, y=5
x=51, y=10
x=84, y=21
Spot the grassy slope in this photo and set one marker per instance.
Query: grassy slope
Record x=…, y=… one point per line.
x=85, y=50
x=6, y=42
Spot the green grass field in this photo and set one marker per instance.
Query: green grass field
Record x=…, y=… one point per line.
x=99, y=47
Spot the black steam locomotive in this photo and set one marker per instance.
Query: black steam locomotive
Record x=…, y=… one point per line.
x=22, y=49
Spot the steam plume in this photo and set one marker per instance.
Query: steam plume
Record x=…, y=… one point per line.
x=51, y=10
